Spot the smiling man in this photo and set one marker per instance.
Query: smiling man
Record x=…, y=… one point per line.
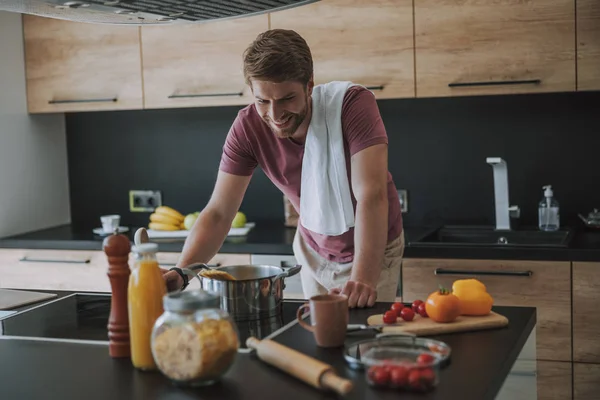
x=349, y=237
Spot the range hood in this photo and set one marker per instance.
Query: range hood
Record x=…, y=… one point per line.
x=147, y=12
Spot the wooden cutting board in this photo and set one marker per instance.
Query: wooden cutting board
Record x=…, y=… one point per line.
x=425, y=326
x=17, y=298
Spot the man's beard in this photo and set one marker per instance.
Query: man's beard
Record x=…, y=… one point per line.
x=291, y=126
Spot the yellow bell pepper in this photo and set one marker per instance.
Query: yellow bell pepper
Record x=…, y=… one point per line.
x=473, y=296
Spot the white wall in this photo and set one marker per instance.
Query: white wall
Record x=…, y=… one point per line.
x=34, y=186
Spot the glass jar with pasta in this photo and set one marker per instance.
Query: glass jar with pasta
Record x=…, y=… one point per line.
x=194, y=342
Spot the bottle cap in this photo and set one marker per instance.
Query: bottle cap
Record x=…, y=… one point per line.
x=548, y=192
x=145, y=248
x=191, y=300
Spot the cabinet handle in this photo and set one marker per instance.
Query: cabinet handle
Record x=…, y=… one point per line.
x=380, y=87
x=496, y=83
x=442, y=271
x=182, y=96
x=26, y=259
x=82, y=101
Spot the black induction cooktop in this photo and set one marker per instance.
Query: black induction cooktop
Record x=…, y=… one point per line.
x=83, y=317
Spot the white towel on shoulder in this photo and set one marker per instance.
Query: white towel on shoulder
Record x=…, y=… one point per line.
x=325, y=200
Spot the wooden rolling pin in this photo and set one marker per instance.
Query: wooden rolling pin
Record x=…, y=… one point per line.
x=301, y=366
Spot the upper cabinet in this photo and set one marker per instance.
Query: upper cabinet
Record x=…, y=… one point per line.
x=467, y=47
x=199, y=64
x=588, y=44
x=366, y=42
x=73, y=66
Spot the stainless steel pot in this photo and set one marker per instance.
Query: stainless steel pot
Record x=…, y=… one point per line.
x=256, y=293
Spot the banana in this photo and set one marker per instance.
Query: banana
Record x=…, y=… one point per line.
x=168, y=211
x=163, y=218
x=160, y=226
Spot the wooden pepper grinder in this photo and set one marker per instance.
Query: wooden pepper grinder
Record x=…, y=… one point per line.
x=117, y=248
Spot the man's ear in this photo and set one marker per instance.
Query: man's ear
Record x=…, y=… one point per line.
x=310, y=85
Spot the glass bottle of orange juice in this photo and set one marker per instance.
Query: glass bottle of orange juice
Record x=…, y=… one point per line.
x=144, y=300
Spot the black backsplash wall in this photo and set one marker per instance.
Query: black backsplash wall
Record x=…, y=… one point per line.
x=437, y=152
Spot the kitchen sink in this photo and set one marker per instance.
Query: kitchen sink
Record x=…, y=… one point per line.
x=485, y=236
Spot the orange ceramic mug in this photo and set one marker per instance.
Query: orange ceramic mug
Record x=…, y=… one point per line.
x=329, y=319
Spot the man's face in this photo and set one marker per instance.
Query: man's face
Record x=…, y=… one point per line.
x=283, y=106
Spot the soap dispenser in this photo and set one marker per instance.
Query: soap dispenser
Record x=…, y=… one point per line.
x=548, y=211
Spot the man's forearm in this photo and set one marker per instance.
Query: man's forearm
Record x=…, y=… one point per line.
x=205, y=239
x=370, y=239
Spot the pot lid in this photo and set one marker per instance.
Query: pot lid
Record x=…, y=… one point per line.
x=147, y=12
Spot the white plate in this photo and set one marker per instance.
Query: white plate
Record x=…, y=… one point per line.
x=100, y=231
x=154, y=234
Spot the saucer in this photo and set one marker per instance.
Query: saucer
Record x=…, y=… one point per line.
x=101, y=232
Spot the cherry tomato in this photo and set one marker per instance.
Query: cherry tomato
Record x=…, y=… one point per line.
x=415, y=305
x=397, y=307
x=379, y=376
x=389, y=317
x=427, y=378
x=398, y=376
x=425, y=358
x=414, y=379
x=422, y=311
x=407, y=314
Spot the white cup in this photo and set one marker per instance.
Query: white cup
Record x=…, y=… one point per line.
x=110, y=222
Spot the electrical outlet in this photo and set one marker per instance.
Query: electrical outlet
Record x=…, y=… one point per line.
x=403, y=196
x=144, y=200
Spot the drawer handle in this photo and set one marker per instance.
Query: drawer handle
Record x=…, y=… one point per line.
x=183, y=96
x=380, y=87
x=26, y=259
x=82, y=101
x=442, y=271
x=496, y=83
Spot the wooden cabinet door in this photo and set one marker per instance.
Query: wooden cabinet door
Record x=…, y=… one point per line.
x=198, y=64
x=541, y=284
x=554, y=380
x=586, y=321
x=366, y=42
x=588, y=44
x=489, y=46
x=75, y=66
x=586, y=381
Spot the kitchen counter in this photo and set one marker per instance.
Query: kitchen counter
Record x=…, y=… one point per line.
x=479, y=365
x=274, y=238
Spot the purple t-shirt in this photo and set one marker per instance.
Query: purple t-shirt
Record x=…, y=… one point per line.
x=251, y=143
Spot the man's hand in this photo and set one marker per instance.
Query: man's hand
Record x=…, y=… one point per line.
x=173, y=279
x=359, y=294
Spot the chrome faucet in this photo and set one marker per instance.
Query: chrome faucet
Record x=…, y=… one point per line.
x=503, y=210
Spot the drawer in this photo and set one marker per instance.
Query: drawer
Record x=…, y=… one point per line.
x=540, y=284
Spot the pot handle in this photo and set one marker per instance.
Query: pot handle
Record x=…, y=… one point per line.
x=290, y=271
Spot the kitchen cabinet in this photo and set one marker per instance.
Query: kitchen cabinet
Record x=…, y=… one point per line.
x=75, y=66
x=588, y=44
x=586, y=321
x=198, y=65
x=554, y=380
x=494, y=47
x=77, y=270
x=541, y=284
x=586, y=381
x=366, y=42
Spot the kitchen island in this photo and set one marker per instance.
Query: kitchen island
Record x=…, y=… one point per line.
x=53, y=369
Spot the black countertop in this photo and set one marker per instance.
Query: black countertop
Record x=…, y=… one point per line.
x=479, y=365
x=274, y=238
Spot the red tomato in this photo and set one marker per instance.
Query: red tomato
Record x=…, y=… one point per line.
x=427, y=377
x=425, y=359
x=415, y=305
x=421, y=379
x=407, y=314
x=389, y=317
x=422, y=311
x=379, y=376
x=397, y=307
x=399, y=376
x=414, y=379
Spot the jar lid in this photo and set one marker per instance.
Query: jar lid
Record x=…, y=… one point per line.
x=145, y=248
x=191, y=300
